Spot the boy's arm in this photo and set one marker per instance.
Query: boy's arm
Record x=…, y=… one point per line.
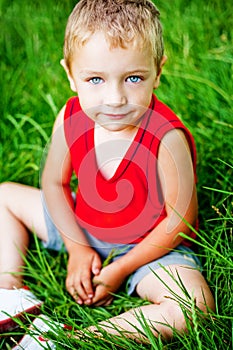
x=83, y=262
x=178, y=186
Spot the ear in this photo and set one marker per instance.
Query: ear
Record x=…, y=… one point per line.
x=69, y=76
x=157, y=80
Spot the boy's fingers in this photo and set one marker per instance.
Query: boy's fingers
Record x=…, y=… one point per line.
x=102, y=298
x=78, y=294
x=88, y=288
x=96, y=265
x=75, y=295
x=81, y=291
x=105, y=302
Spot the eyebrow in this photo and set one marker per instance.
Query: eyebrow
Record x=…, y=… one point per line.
x=90, y=72
x=97, y=73
x=136, y=71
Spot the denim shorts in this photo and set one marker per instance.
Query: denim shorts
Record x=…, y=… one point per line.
x=182, y=255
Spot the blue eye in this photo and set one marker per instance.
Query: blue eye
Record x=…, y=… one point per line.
x=134, y=79
x=96, y=80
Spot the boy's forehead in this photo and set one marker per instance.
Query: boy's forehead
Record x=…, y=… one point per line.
x=99, y=40
x=100, y=56
x=97, y=55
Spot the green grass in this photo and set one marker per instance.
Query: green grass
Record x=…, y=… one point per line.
x=197, y=84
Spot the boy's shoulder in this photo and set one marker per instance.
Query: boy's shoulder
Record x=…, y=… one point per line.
x=162, y=118
x=161, y=108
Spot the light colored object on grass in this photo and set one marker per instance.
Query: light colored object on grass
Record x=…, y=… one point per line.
x=36, y=339
x=14, y=303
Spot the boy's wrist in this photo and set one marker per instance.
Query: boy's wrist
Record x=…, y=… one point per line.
x=125, y=268
x=75, y=248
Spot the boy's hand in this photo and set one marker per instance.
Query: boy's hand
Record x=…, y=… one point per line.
x=106, y=282
x=83, y=264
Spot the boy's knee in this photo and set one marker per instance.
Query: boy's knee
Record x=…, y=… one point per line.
x=9, y=192
x=5, y=189
x=178, y=320
x=205, y=301
x=178, y=313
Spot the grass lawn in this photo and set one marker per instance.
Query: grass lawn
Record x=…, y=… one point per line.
x=196, y=84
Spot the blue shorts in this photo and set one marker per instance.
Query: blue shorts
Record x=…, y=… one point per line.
x=181, y=256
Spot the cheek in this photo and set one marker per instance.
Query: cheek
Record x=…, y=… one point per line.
x=86, y=101
x=89, y=106
x=144, y=98
x=87, y=98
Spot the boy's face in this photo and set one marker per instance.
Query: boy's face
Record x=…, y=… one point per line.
x=115, y=85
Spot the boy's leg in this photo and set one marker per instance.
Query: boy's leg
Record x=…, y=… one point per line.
x=164, y=309
x=20, y=210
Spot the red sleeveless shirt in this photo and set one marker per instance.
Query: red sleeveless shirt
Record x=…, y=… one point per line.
x=126, y=207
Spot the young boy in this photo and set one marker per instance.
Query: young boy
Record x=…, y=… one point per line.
x=135, y=164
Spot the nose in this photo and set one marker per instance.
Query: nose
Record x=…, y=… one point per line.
x=115, y=95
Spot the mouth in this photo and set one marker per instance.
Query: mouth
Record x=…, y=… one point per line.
x=115, y=116
x=117, y=113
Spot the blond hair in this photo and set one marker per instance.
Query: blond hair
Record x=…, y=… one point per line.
x=123, y=22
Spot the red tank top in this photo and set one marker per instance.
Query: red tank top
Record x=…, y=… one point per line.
x=126, y=207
